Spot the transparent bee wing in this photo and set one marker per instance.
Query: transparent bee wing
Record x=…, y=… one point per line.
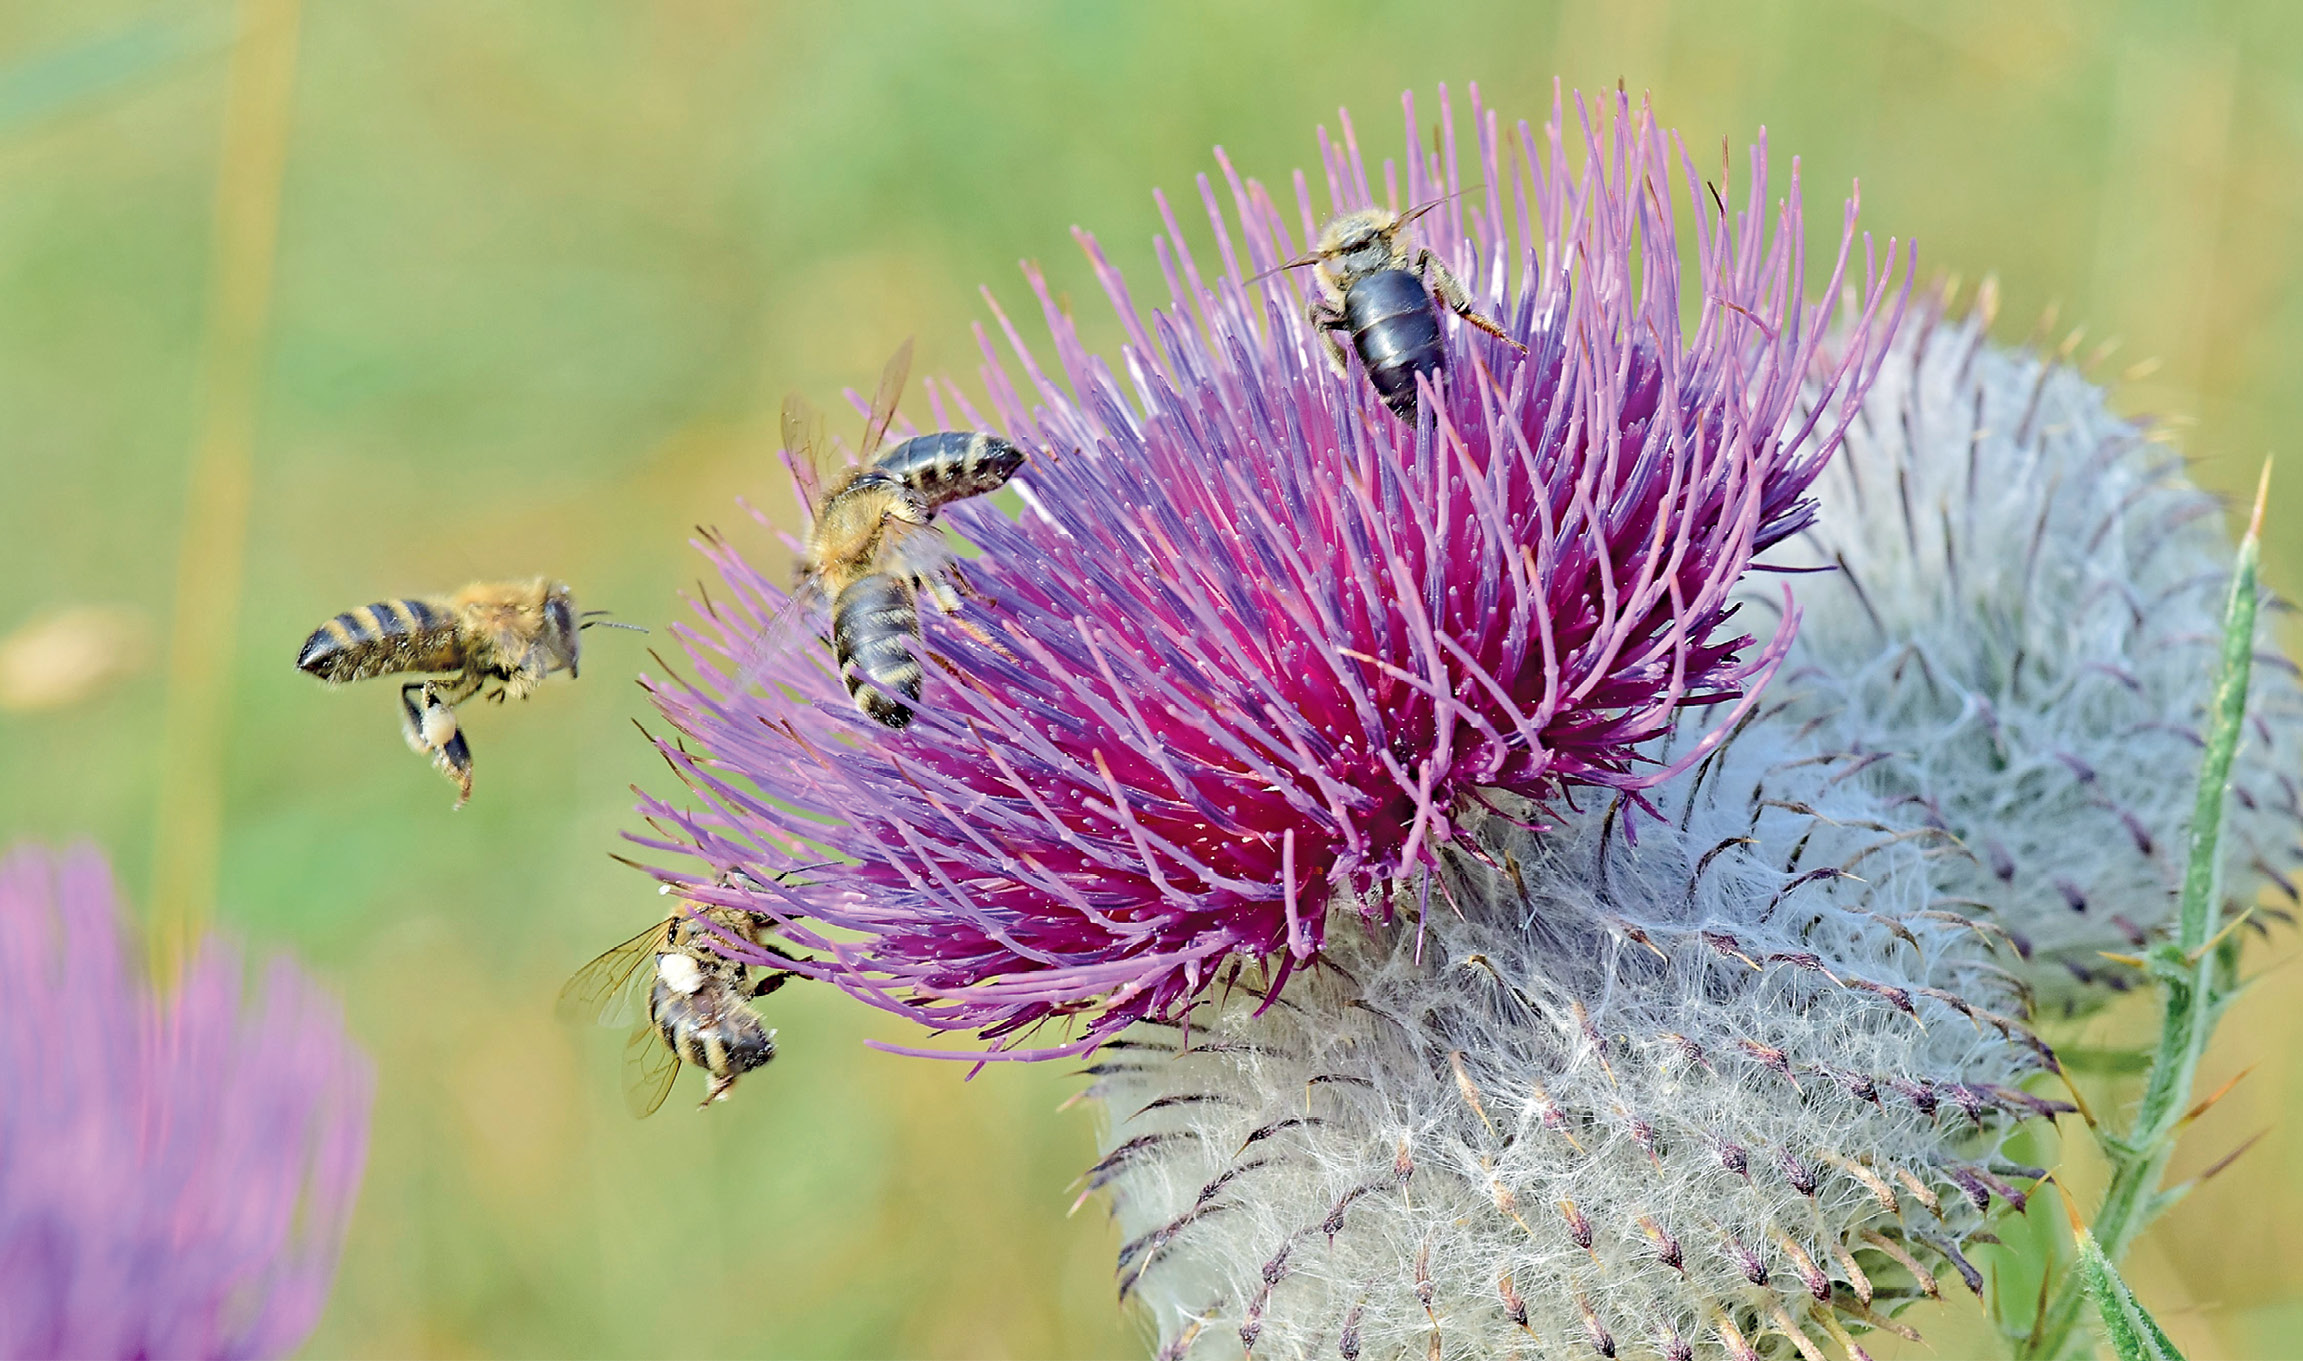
x=803, y=429
x=649, y=1068
x=916, y=551
x=892, y=380
x=602, y=991
x=784, y=630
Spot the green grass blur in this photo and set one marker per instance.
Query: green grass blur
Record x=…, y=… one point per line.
x=544, y=271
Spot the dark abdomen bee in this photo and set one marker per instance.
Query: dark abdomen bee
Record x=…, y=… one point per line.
x=866, y=556
x=511, y=633
x=388, y=636
x=701, y=1014
x=698, y=1004
x=1372, y=290
x=1392, y=325
x=876, y=639
x=951, y=465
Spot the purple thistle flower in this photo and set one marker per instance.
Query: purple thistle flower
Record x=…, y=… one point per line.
x=176, y=1173
x=1255, y=643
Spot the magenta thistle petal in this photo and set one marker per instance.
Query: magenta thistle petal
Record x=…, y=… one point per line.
x=176, y=1172
x=1254, y=641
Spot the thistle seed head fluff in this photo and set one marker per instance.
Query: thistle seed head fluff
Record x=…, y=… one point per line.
x=1736, y=1079
x=1254, y=644
x=2021, y=640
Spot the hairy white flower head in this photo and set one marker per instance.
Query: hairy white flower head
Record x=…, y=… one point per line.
x=1730, y=1082
x=2021, y=639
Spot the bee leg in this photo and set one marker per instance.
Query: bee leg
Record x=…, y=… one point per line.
x=947, y=600
x=428, y=721
x=523, y=679
x=936, y=588
x=1327, y=319
x=961, y=622
x=959, y=580
x=412, y=716
x=455, y=761
x=774, y=981
x=717, y=1091
x=453, y=693
x=1450, y=291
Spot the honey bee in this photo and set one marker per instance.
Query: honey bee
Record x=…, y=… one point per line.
x=512, y=633
x=864, y=555
x=1371, y=289
x=697, y=1003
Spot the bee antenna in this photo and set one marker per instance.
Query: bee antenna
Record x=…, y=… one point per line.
x=1297, y=263
x=1420, y=209
x=805, y=869
x=611, y=624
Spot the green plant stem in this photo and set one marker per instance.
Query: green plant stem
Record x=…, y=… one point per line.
x=2134, y=1334
x=210, y=560
x=2194, y=980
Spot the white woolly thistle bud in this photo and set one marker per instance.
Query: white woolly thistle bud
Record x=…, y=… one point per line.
x=2020, y=638
x=1657, y=1094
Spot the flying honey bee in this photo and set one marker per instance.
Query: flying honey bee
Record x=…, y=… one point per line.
x=865, y=554
x=1372, y=290
x=696, y=1003
x=512, y=633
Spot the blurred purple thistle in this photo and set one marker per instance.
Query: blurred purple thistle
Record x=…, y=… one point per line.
x=176, y=1173
x=1254, y=641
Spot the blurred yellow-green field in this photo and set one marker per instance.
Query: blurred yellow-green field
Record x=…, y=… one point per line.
x=303, y=305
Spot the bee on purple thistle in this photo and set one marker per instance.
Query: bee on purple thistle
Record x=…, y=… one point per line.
x=177, y=1169
x=1255, y=647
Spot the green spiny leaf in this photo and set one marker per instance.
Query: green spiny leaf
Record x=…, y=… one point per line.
x=2134, y=1334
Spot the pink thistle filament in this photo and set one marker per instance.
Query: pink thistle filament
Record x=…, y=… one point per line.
x=1254, y=641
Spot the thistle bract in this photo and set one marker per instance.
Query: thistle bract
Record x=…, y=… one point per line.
x=176, y=1171
x=2019, y=642
x=1253, y=643
x=1733, y=1082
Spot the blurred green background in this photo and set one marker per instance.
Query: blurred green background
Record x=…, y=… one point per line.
x=542, y=272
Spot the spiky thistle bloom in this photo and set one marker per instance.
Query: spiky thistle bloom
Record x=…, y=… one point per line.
x=1254, y=642
x=177, y=1170
x=2020, y=638
x=1662, y=1097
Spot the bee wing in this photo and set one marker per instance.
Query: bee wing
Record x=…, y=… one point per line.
x=783, y=631
x=649, y=1067
x=602, y=990
x=892, y=379
x=803, y=428
x=920, y=552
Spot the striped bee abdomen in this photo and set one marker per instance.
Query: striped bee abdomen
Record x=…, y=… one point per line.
x=875, y=637
x=1396, y=331
x=711, y=1029
x=387, y=636
x=951, y=465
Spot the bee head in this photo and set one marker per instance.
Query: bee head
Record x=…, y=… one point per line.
x=1357, y=244
x=560, y=628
